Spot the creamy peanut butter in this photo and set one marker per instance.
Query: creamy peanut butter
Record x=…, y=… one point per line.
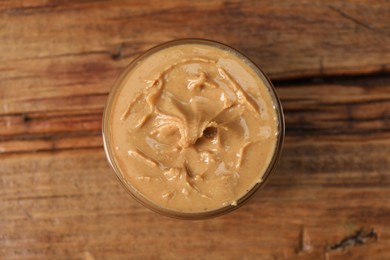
x=193, y=127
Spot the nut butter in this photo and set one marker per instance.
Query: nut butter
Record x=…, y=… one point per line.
x=192, y=128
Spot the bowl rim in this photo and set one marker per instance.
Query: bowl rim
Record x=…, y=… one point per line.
x=192, y=215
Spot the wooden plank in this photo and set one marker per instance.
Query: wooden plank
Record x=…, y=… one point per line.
x=68, y=205
x=64, y=202
x=60, y=54
x=337, y=109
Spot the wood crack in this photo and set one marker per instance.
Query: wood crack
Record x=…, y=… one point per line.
x=352, y=19
x=360, y=238
x=54, y=149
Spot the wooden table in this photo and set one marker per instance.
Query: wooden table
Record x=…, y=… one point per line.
x=329, y=197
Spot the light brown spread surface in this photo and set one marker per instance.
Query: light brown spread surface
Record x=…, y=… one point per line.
x=193, y=128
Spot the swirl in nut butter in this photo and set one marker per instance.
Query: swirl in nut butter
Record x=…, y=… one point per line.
x=193, y=128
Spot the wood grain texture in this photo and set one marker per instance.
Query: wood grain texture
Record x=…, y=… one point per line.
x=61, y=54
x=60, y=200
x=69, y=205
x=336, y=109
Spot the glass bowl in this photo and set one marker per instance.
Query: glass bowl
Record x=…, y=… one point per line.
x=106, y=132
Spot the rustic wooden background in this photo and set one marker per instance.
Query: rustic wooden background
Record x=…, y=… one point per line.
x=329, y=197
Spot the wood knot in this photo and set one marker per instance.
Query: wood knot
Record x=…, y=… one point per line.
x=117, y=53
